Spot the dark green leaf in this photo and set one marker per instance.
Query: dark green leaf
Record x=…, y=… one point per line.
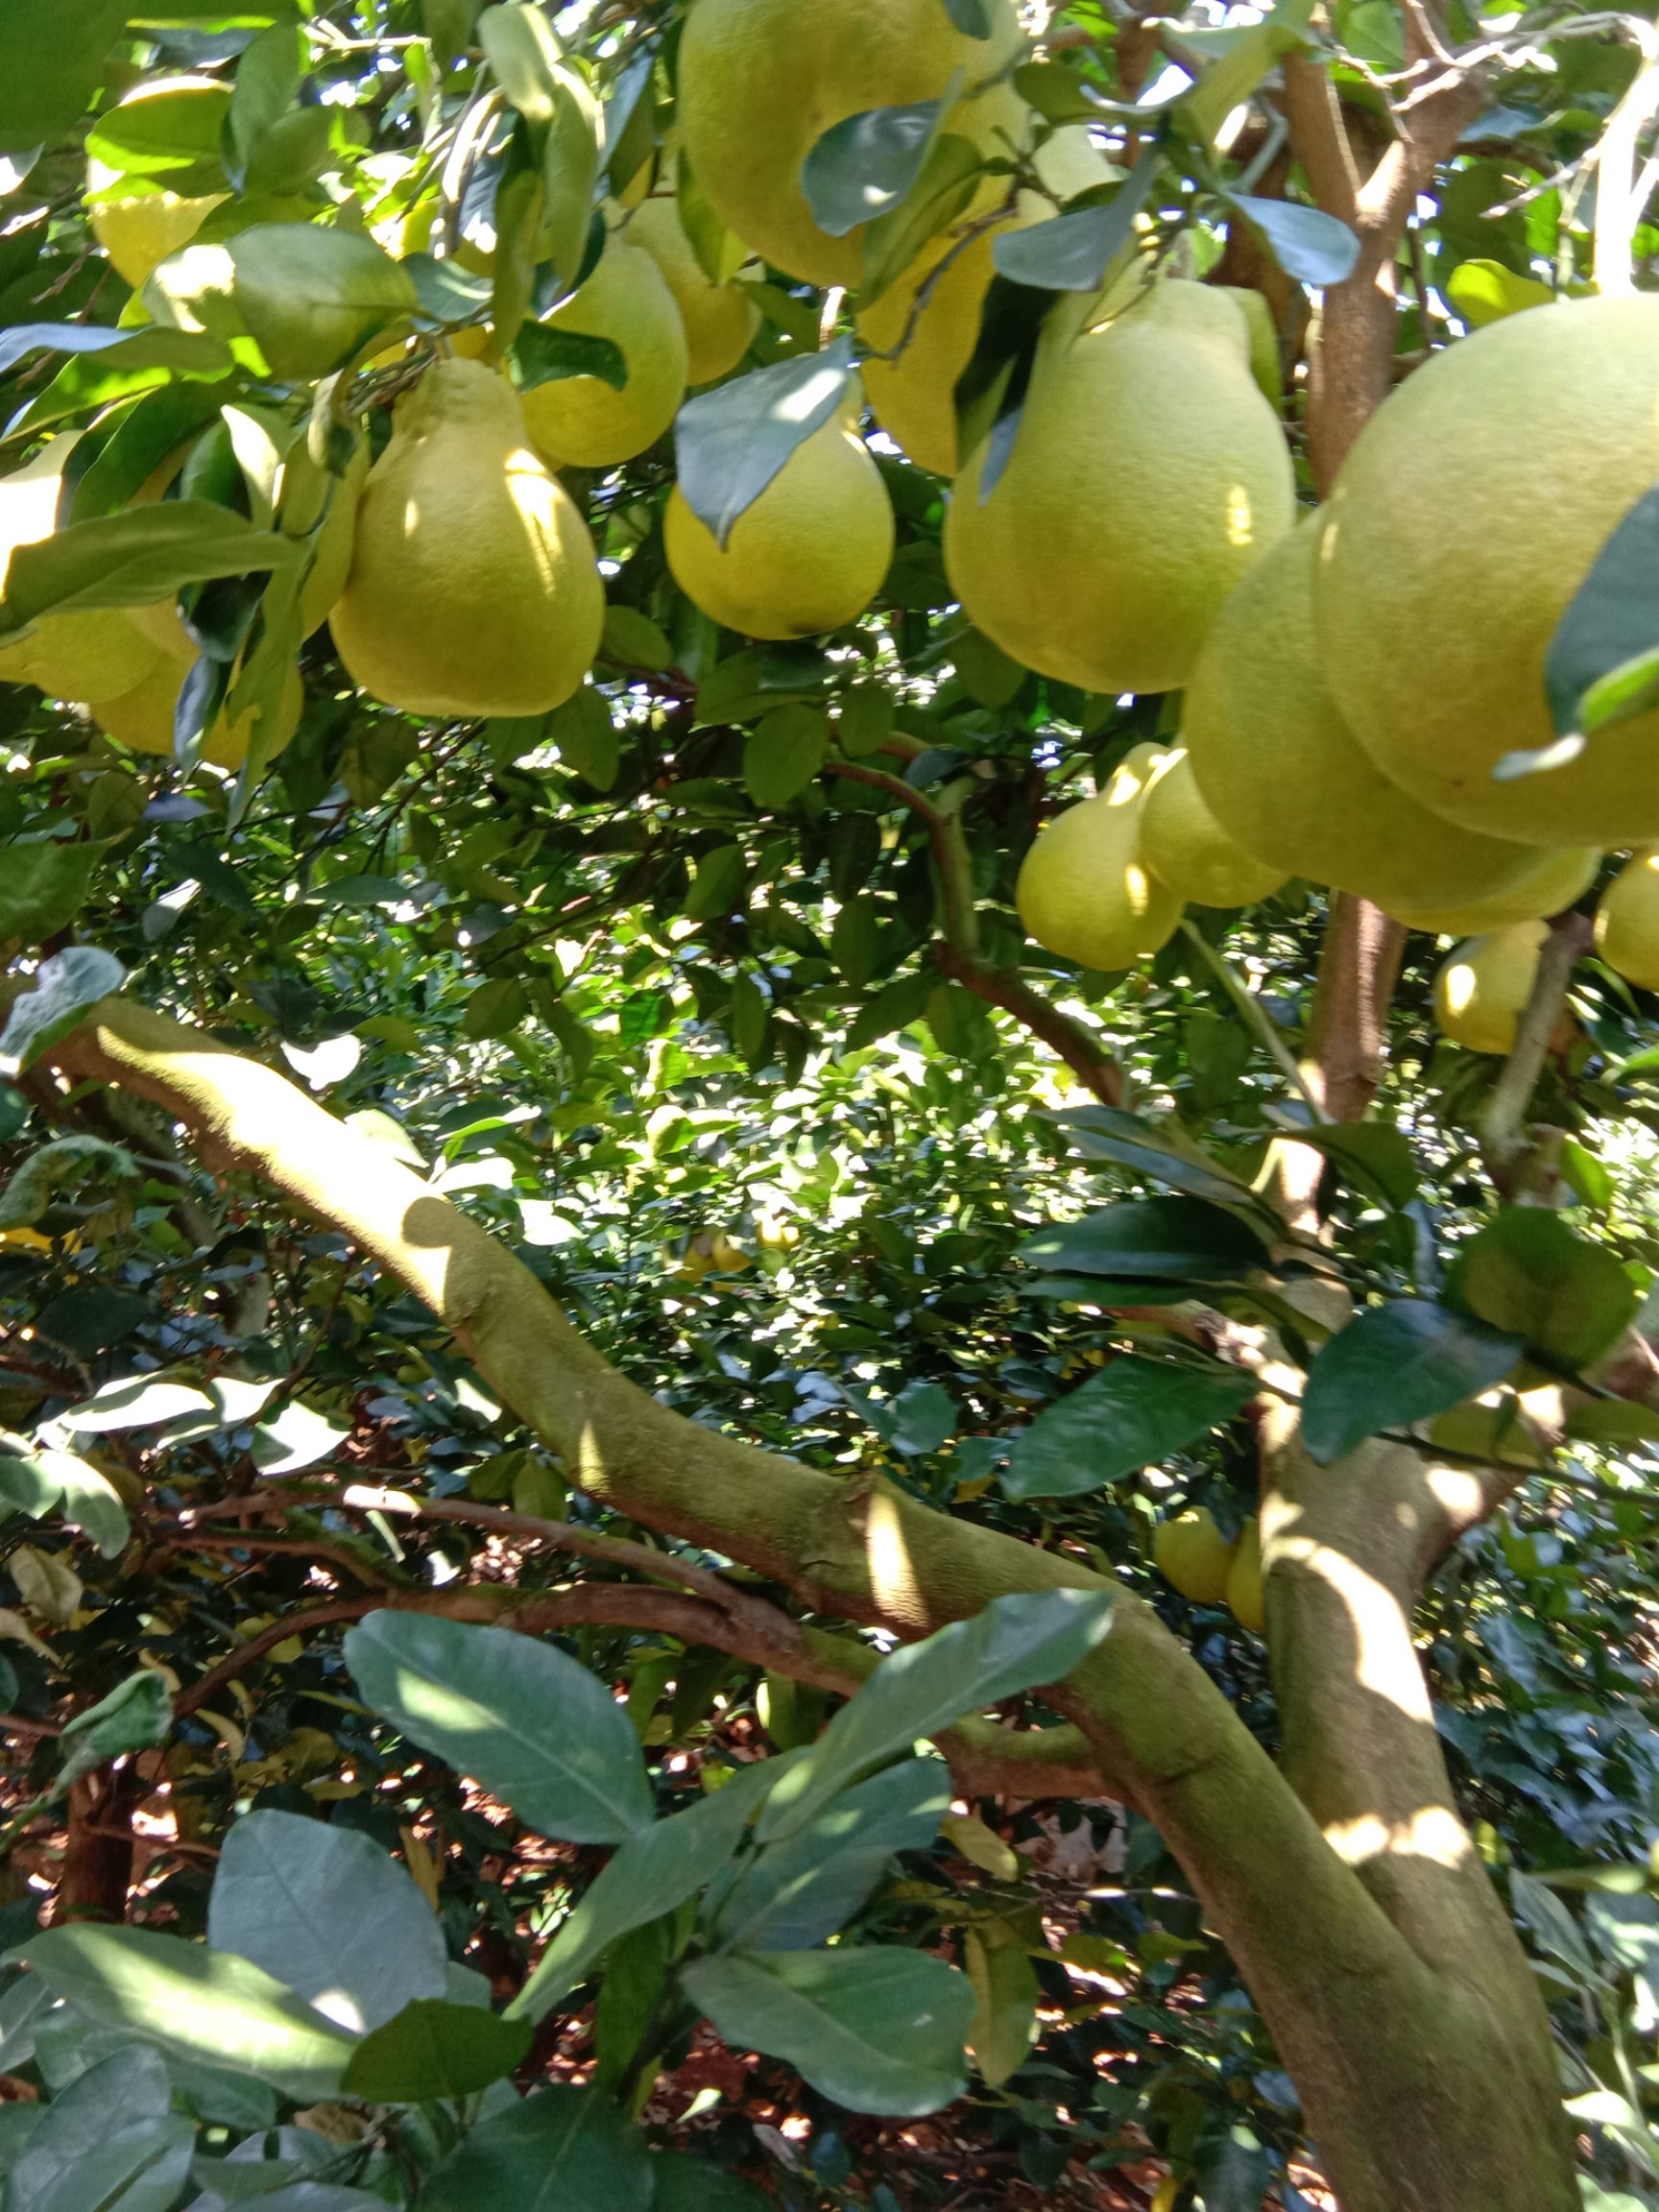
x=1158, y=1151
x=876, y=2030
x=1394, y=1364
x=67, y=989
x=1072, y=253
x=1017, y=1642
x=1603, y=658
x=137, y=557
x=121, y=348
x=731, y=442
x=52, y=58
x=545, y=355
x=633, y=640
x=949, y=178
x=1370, y=1155
x=865, y=166
x=783, y=752
x=1133, y=1414
x=110, y=2140
x=533, y=1727
x=135, y=1716
x=1173, y=1240
x=973, y=18
x=686, y=2184
x=587, y=738
x=192, y=2000
x=1528, y=1273
x=560, y=2148
x=327, y=1912
x=652, y=1874
x=435, y=2050
x=44, y=887
x=1310, y=246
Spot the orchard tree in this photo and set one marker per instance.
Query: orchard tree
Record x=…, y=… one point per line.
x=671, y=672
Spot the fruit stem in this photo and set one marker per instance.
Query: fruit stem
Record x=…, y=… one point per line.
x=1502, y=1132
x=1618, y=197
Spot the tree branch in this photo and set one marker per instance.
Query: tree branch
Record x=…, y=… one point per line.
x=1503, y=1142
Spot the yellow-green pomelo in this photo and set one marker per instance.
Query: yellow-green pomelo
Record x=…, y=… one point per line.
x=1147, y=477
x=1192, y=1554
x=1555, y=881
x=1283, y=775
x=1466, y=518
x=720, y=320
x=1245, y=1597
x=584, y=421
x=761, y=80
x=1482, y=987
x=139, y=230
x=1627, y=921
x=90, y=655
x=1084, y=890
x=144, y=717
x=913, y=396
x=1186, y=847
x=806, y=557
x=474, y=587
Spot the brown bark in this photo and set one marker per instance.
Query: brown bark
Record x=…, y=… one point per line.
x=97, y=1870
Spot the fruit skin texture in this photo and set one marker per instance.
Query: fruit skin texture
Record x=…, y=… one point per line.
x=913, y=396
x=1284, y=776
x=1627, y=923
x=1482, y=989
x=1188, y=850
x=1467, y=515
x=761, y=80
x=1084, y=891
x=720, y=320
x=806, y=557
x=1557, y=881
x=1245, y=1597
x=1193, y=1556
x=94, y=655
x=1148, y=475
x=582, y=421
x=473, y=586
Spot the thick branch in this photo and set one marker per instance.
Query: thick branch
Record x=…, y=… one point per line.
x=1504, y=1139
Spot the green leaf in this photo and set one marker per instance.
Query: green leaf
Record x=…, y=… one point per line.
x=534, y=1728
x=1370, y=1156
x=1603, y=660
x=1485, y=292
x=187, y=1998
x=587, y=738
x=137, y=557
x=973, y=18
x=135, y=1716
x=520, y=46
x=865, y=166
x=328, y=1913
x=134, y=1402
x=1528, y=1273
x=1072, y=253
x=1160, y=1151
x=312, y=297
x=1017, y=1642
x=949, y=179
x=876, y=2030
x=67, y=989
x=1249, y=54
x=1609, y=1421
x=185, y=351
x=800, y=1891
x=633, y=640
x=267, y=80
x=1174, y=1240
x=686, y=2184
x=1394, y=1364
x=1307, y=243
x=52, y=60
x=432, y=2049
x=783, y=752
x=717, y=886
x=560, y=2148
x=1007, y=1995
x=110, y=2141
x=171, y=138
x=731, y=442
x=44, y=887
x=1133, y=1414
x=652, y=1874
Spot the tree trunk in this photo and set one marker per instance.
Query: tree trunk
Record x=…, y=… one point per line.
x=98, y=1856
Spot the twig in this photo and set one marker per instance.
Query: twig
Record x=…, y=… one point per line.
x=1088, y=1060
x=1618, y=199
x=1502, y=1138
x=1256, y=1018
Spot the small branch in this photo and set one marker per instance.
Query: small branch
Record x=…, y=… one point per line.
x=1620, y=196
x=1255, y=1017
x=1502, y=1125
x=1086, y=1059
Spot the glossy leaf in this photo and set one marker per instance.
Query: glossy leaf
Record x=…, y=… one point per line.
x=1395, y=1364
x=783, y=752
x=1133, y=1414
x=195, y=2001
x=866, y=165
x=533, y=1727
x=559, y=2148
x=876, y=2030
x=1603, y=660
x=311, y=298
x=1369, y=1155
x=1310, y=246
x=1071, y=252
x=1174, y=1240
x=731, y=442
x=325, y=1910
x=137, y=557
x=135, y=1716
x=1161, y=1153
x=1016, y=1644
x=66, y=988
x=110, y=2139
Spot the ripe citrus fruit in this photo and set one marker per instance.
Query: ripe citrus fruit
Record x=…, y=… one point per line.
x=720, y=320
x=584, y=421
x=1084, y=890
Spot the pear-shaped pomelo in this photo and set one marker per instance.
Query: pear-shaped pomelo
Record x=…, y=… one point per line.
x=1555, y=881
x=1192, y=1554
x=1084, y=890
x=1627, y=921
x=1482, y=987
x=1186, y=847
x=720, y=320
x=583, y=421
